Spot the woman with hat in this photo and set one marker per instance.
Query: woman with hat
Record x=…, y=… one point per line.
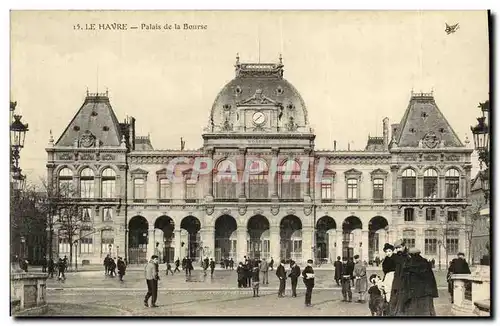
x=388, y=267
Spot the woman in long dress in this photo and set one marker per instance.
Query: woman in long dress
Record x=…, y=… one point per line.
x=388, y=267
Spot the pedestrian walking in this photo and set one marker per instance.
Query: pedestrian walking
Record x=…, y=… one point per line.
x=281, y=274
x=61, y=269
x=361, y=282
x=51, y=268
x=212, y=267
x=151, y=275
x=206, y=263
x=294, y=276
x=184, y=264
x=308, y=277
x=169, y=269
x=189, y=266
x=457, y=266
x=264, y=268
x=271, y=264
x=338, y=270
x=105, y=263
x=241, y=275
x=231, y=264
x=177, y=263
x=347, y=271
x=44, y=264
x=255, y=279
x=121, y=268
x=351, y=265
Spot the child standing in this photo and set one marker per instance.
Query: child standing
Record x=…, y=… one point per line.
x=255, y=279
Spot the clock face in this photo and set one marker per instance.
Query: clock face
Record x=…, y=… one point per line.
x=259, y=118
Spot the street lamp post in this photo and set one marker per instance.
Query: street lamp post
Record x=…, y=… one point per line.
x=481, y=134
x=439, y=254
x=17, y=136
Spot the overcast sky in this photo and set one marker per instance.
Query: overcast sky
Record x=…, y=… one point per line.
x=351, y=68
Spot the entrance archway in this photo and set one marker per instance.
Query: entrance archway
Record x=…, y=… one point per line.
x=192, y=242
x=225, y=238
x=258, y=243
x=323, y=245
x=377, y=230
x=138, y=240
x=291, y=238
x=164, y=239
x=351, y=236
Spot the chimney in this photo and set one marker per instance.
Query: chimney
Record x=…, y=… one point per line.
x=385, y=124
x=334, y=145
x=348, y=146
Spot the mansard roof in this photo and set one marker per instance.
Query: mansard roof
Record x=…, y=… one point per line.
x=424, y=122
x=95, y=124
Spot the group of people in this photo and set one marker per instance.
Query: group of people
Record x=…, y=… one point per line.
x=227, y=263
x=110, y=267
x=348, y=273
x=49, y=266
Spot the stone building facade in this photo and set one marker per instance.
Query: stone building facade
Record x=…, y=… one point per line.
x=257, y=187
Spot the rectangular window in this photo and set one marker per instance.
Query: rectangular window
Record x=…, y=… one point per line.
x=431, y=242
x=409, y=214
x=430, y=214
x=352, y=190
x=190, y=195
x=86, y=242
x=297, y=246
x=107, y=242
x=378, y=190
x=258, y=186
x=107, y=214
x=452, y=241
x=452, y=186
x=164, y=190
x=87, y=188
x=108, y=189
x=326, y=189
x=87, y=214
x=452, y=216
x=139, y=195
x=290, y=187
x=430, y=187
x=65, y=188
x=63, y=244
x=409, y=187
x=409, y=238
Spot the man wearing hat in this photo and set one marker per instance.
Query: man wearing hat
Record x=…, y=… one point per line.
x=294, y=276
x=151, y=275
x=308, y=277
x=361, y=282
x=281, y=273
x=397, y=291
x=346, y=276
x=457, y=266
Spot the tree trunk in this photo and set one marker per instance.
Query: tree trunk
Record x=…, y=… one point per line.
x=70, y=239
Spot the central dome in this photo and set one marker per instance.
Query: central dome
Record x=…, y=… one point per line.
x=262, y=81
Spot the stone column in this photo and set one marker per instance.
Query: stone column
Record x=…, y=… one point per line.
x=364, y=248
x=177, y=236
x=273, y=182
x=210, y=153
x=420, y=241
x=151, y=241
x=420, y=186
x=274, y=237
x=76, y=186
x=208, y=238
x=241, y=164
x=332, y=238
x=97, y=186
x=382, y=239
x=307, y=242
x=241, y=243
x=441, y=185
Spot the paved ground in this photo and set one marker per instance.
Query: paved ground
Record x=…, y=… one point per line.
x=209, y=303
x=93, y=294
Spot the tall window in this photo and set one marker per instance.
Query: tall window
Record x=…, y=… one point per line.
x=87, y=214
x=430, y=214
x=225, y=180
x=431, y=242
x=409, y=214
x=165, y=190
x=107, y=214
x=139, y=195
x=326, y=189
x=409, y=238
x=190, y=193
x=107, y=241
x=108, y=183
x=452, y=241
x=409, y=184
x=87, y=183
x=65, y=182
x=452, y=216
x=378, y=191
x=352, y=190
x=86, y=242
x=430, y=183
x=452, y=183
x=63, y=243
x=290, y=180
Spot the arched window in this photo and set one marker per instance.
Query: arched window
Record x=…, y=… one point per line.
x=409, y=184
x=430, y=183
x=225, y=180
x=87, y=183
x=409, y=237
x=431, y=239
x=258, y=184
x=165, y=190
x=108, y=183
x=65, y=182
x=452, y=183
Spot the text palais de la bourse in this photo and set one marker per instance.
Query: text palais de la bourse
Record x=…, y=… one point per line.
x=142, y=26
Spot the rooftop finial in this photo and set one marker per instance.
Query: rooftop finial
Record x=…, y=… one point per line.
x=237, y=58
x=107, y=91
x=281, y=59
x=87, y=91
x=51, y=139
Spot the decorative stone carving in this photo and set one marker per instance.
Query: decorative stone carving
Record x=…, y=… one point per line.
x=275, y=209
x=307, y=210
x=226, y=211
x=430, y=140
x=87, y=157
x=431, y=157
x=209, y=209
x=411, y=158
x=75, y=156
x=291, y=125
x=65, y=157
x=290, y=211
x=108, y=157
x=242, y=209
x=258, y=211
x=87, y=139
x=453, y=157
x=379, y=173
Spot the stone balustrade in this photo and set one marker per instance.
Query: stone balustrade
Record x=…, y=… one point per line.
x=28, y=293
x=471, y=293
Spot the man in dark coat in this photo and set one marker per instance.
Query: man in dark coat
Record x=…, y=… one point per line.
x=44, y=265
x=397, y=290
x=308, y=277
x=420, y=287
x=206, y=264
x=51, y=268
x=177, y=263
x=61, y=269
x=281, y=273
x=338, y=270
x=121, y=268
x=457, y=266
x=346, y=276
x=351, y=264
x=189, y=266
x=212, y=267
x=294, y=275
x=271, y=264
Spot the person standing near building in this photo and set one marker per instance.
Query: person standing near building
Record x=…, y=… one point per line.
x=231, y=263
x=294, y=276
x=206, y=263
x=61, y=269
x=457, y=266
x=264, y=268
x=121, y=268
x=51, y=268
x=169, y=268
x=151, y=275
x=398, y=290
x=177, y=263
x=281, y=274
x=360, y=282
x=347, y=271
x=308, y=277
x=255, y=279
x=350, y=262
x=212, y=267
x=388, y=267
x=338, y=270
x=44, y=264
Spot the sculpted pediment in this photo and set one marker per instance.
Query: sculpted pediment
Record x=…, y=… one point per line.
x=258, y=99
x=138, y=171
